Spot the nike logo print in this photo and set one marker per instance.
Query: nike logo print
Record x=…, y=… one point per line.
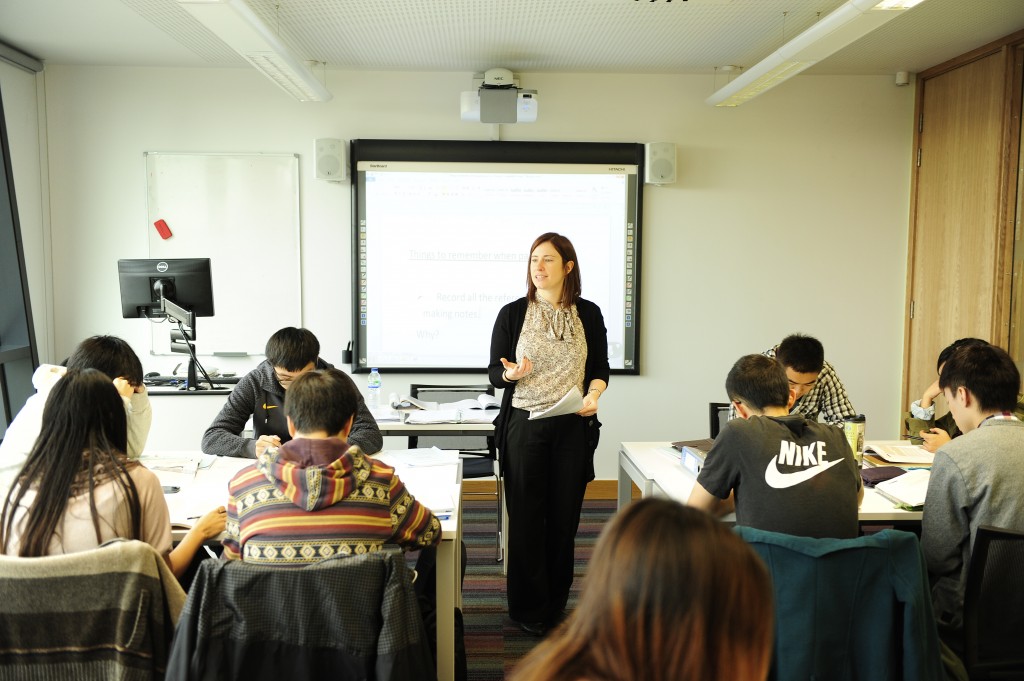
x=792, y=454
x=779, y=480
x=268, y=407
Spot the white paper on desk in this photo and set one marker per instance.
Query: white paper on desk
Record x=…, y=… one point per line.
x=571, y=403
x=419, y=458
x=176, y=461
x=385, y=414
x=439, y=502
x=432, y=486
x=177, y=502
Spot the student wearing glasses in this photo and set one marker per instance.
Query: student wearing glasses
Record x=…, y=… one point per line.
x=817, y=387
x=260, y=394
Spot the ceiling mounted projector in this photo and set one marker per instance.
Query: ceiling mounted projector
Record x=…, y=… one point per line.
x=498, y=99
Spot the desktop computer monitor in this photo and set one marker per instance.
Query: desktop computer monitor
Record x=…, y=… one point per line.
x=184, y=281
x=176, y=289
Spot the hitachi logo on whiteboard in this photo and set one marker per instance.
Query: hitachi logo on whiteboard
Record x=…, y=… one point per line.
x=378, y=165
x=617, y=169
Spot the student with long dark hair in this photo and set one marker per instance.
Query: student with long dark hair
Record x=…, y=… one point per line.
x=671, y=594
x=78, y=487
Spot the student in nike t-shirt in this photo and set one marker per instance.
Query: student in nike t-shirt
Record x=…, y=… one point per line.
x=290, y=353
x=779, y=471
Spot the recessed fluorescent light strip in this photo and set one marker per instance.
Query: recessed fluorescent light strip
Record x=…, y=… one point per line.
x=847, y=24
x=238, y=26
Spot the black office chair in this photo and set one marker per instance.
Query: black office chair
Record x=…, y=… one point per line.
x=478, y=453
x=994, y=605
x=718, y=416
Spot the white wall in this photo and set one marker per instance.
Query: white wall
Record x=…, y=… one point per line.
x=790, y=213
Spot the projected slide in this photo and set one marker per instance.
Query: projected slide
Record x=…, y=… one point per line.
x=441, y=246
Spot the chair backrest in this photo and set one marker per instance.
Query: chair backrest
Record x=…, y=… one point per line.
x=345, y=617
x=481, y=445
x=718, y=416
x=994, y=604
x=850, y=608
x=101, y=614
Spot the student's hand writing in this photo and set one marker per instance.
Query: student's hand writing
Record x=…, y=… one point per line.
x=929, y=394
x=513, y=371
x=933, y=438
x=211, y=524
x=124, y=388
x=266, y=442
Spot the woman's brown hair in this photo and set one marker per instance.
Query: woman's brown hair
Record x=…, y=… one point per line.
x=572, y=287
x=670, y=594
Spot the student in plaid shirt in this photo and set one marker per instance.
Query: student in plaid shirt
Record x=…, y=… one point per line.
x=815, y=383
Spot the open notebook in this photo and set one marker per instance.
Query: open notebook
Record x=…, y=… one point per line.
x=908, y=490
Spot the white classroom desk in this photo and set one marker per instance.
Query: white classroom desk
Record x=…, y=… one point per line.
x=207, y=488
x=653, y=468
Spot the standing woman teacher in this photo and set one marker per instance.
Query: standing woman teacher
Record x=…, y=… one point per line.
x=542, y=346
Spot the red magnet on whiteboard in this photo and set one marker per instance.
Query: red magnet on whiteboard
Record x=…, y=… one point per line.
x=162, y=229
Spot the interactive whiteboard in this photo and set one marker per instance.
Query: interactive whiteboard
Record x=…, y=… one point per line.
x=442, y=233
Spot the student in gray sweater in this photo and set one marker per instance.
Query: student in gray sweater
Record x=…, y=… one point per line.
x=290, y=353
x=977, y=478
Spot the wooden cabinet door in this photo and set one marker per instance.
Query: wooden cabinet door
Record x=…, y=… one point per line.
x=960, y=248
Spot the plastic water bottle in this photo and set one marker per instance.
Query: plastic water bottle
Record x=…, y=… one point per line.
x=374, y=386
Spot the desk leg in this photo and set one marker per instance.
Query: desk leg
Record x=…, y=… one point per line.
x=625, y=493
x=447, y=566
x=629, y=473
x=504, y=530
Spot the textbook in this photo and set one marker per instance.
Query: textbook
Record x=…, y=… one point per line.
x=898, y=451
x=908, y=490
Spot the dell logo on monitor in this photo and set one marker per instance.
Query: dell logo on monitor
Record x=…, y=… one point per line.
x=161, y=266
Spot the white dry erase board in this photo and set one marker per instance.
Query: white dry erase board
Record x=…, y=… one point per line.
x=242, y=212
